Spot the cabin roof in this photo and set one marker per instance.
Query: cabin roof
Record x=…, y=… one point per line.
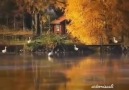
x=58, y=20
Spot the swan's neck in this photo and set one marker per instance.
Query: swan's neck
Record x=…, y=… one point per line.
x=5, y=48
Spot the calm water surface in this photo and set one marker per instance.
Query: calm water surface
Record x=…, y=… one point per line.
x=37, y=72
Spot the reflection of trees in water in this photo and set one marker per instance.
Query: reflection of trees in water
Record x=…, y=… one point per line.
x=48, y=77
x=51, y=82
x=69, y=74
x=91, y=71
x=16, y=80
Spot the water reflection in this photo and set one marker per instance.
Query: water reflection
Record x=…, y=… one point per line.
x=38, y=72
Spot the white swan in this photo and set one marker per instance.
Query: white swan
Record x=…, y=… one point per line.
x=76, y=48
x=114, y=40
x=29, y=41
x=50, y=54
x=4, y=51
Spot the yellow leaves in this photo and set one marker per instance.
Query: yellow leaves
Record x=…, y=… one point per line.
x=60, y=4
x=92, y=19
x=111, y=4
x=84, y=23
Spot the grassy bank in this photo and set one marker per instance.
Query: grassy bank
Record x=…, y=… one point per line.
x=45, y=42
x=49, y=41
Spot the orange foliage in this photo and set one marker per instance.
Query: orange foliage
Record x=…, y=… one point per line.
x=92, y=19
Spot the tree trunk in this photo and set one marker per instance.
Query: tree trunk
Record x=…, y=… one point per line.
x=35, y=23
x=7, y=20
x=38, y=24
x=14, y=23
x=23, y=23
x=41, y=26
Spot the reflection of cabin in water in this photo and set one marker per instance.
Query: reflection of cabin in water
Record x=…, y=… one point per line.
x=59, y=25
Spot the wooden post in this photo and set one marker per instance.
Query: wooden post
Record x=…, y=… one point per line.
x=101, y=48
x=101, y=44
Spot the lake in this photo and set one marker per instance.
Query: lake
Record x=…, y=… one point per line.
x=38, y=72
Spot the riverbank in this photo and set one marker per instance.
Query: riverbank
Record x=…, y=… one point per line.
x=58, y=49
x=62, y=50
x=48, y=42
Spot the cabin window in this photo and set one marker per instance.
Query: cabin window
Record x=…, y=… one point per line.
x=57, y=27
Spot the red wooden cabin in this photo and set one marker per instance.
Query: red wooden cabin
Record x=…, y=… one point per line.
x=59, y=25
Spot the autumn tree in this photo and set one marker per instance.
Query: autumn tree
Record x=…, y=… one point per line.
x=92, y=20
x=42, y=11
x=7, y=6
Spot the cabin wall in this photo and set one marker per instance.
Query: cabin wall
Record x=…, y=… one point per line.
x=57, y=29
x=60, y=30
